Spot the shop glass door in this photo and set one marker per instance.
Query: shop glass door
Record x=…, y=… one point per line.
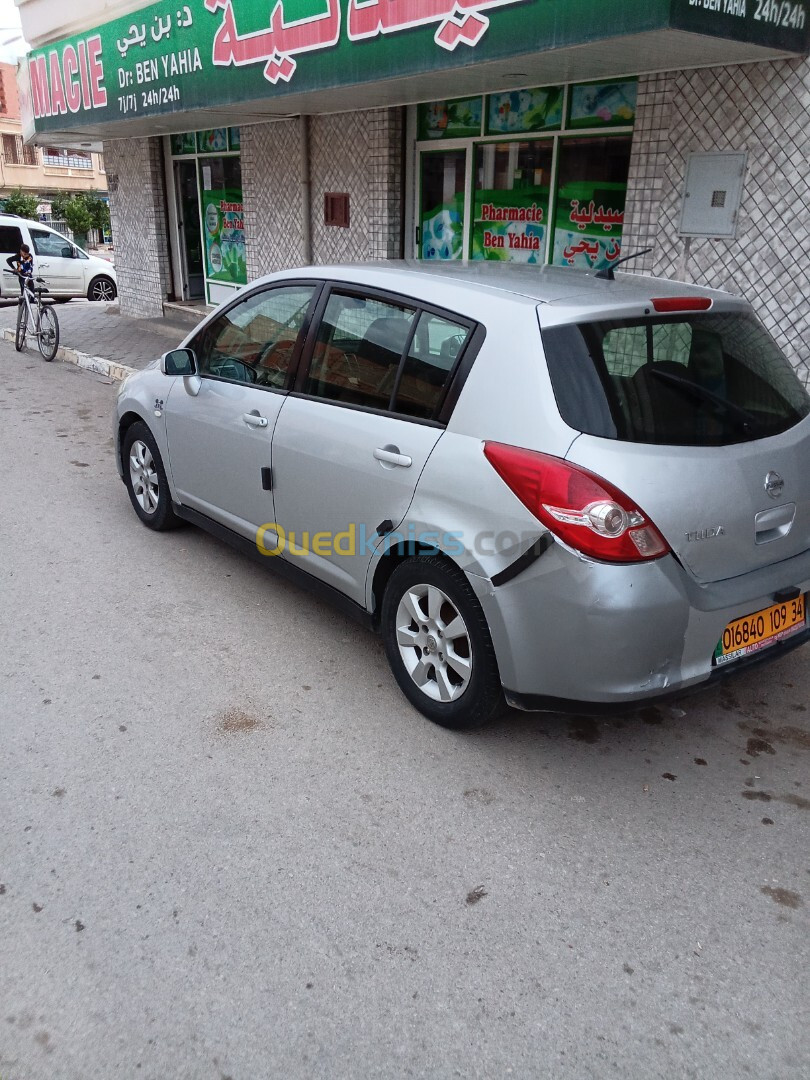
x=441, y=209
x=223, y=225
x=188, y=217
x=510, y=208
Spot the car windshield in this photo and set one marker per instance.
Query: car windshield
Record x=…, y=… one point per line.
x=685, y=380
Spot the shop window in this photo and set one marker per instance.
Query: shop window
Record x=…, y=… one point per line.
x=223, y=220
x=184, y=143
x=357, y=355
x=441, y=224
x=212, y=141
x=336, y=209
x=591, y=193
x=606, y=104
x=456, y=119
x=519, y=111
x=510, y=211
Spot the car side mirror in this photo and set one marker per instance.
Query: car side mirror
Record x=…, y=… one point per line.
x=179, y=362
x=68, y=252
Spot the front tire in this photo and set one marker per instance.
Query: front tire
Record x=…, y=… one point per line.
x=48, y=333
x=146, y=479
x=102, y=288
x=22, y=326
x=438, y=643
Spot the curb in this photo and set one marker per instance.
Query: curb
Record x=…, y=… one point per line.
x=114, y=371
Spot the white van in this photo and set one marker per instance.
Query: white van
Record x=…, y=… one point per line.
x=67, y=270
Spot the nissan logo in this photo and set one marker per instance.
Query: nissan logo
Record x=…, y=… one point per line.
x=774, y=484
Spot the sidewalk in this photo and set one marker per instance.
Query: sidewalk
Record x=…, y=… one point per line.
x=96, y=331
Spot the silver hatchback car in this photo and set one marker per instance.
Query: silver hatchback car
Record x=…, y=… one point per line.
x=567, y=491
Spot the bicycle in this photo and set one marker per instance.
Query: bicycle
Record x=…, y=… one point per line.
x=36, y=318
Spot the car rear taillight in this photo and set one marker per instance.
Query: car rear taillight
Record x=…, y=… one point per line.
x=682, y=303
x=583, y=510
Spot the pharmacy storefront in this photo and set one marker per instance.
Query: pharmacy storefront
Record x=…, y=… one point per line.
x=536, y=175
x=242, y=137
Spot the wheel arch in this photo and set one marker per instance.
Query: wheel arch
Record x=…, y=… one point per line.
x=125, y=422
x=390, y=560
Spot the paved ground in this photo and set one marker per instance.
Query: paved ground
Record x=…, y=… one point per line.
x=230, y=849
x=94, y=329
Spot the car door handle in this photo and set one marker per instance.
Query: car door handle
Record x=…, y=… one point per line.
x=391, y=456
x=254, y=420
x=44, y=265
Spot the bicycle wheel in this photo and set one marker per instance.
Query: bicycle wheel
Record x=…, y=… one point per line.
x=48, y=333
x=22, y=326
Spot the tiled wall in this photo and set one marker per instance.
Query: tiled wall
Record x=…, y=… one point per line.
x=763, y=109
x=358, y=153
x=137, y=209
x=271, y=193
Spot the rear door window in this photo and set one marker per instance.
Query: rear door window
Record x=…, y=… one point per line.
x=701, y=380
x=430, y=362
x=360, y=343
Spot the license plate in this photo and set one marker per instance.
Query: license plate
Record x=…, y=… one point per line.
x=754, y=632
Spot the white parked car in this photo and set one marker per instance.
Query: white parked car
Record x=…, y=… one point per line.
x=67, y=269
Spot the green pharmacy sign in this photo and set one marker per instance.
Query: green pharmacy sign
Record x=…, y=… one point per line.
x=174, y=57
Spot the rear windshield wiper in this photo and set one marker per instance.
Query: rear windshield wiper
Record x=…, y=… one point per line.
x=746, y=420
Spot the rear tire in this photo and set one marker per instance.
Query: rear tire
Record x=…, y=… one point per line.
x=146, y=479
x=438, y=643
x=48, y=333
x=102, y=288
x=22, y=326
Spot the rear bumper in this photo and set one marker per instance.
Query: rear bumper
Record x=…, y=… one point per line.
x=570, y=634
x=541, y=703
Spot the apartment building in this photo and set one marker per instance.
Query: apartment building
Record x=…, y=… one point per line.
x=40, y=171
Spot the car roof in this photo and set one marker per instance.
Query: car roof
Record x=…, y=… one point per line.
x=519, y=282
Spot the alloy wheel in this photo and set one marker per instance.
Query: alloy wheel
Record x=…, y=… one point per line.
x=103, y=290
x=143, y=477
x=434, y=642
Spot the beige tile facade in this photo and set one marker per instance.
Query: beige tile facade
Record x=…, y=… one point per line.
x=357, y=153
x=763, y=109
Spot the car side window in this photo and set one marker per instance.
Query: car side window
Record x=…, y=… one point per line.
x=430, y=361
x=48, y=243
x=10, y=238
x=254, y=341
x=358, y=351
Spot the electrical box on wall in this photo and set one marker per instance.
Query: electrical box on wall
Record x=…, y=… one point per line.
x=711, y=195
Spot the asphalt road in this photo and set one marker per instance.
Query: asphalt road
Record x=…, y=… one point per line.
x=230, y=849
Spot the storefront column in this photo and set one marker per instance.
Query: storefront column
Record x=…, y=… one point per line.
x=385, y=133
x=138, y=212
x=271, y=191
x=758, y=108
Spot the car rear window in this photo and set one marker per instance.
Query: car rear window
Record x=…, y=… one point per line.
x=696, y=380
